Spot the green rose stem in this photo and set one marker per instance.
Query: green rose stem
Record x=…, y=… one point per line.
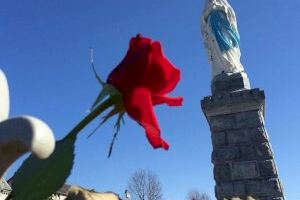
x=91, y=116
x=38, y=179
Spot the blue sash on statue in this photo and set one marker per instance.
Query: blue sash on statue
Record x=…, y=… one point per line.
x=226, y=36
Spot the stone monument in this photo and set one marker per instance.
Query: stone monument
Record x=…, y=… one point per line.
x=242, y=155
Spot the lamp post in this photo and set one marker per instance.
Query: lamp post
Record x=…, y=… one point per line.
x=127, y=195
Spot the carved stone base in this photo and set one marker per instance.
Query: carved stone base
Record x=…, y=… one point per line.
x=229, y=82
x=242, y=156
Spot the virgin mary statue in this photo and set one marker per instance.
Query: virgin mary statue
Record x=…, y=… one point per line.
x=221, y=37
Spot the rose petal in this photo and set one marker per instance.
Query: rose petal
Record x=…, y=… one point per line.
x=138, y=104
x=145, y=65
x=131, y=71
x=170, y=101
x=162, y=76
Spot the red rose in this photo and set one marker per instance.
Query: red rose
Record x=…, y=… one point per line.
x=145, y=77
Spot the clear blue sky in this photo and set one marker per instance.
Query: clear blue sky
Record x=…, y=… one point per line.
x=44, y=52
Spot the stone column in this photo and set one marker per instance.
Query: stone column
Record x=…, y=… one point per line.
x=242, y=155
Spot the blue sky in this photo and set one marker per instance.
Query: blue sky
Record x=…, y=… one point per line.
x=45, y=55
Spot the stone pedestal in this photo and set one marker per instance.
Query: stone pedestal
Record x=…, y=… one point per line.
x=242, y=155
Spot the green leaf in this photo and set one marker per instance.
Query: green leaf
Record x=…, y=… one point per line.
x=38, y=179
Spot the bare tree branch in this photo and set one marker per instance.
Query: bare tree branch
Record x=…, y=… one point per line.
x=144, y=185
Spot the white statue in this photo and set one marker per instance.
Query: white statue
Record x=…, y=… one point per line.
x=221, y=37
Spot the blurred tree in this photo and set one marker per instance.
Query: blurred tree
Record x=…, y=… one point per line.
x=145, y=185
x=196, y=195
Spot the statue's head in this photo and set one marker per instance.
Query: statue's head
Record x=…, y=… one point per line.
x=4, y=97
x=216, y=2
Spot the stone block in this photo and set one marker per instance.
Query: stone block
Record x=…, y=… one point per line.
x=244, y=170
x=248, y=119
x=223, y=155
x=269, y=188
x=219, y=138
x=224, y=190
x=221, y=123
x=256, y=152
x=246, y=136
x=229, y=82
x=259, y=134
x=239, y=188
x=233, y=102
x=264, y=150
x=267, y=169
x=240, y=137
x=250, y=152
x=222, y=173
x=232, y=189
